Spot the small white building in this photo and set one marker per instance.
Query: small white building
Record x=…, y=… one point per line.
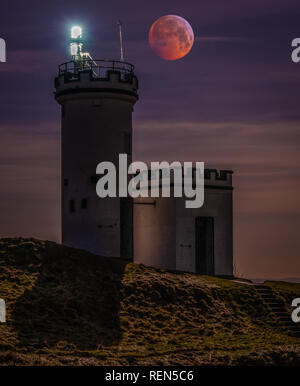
x=168, y=235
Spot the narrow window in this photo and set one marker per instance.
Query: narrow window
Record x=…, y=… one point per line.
x=72, y=206
x=84, y=203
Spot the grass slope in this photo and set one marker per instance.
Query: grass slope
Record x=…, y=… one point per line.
x=70, y=307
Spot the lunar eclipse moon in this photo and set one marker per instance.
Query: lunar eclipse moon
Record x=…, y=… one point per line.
x=171, y=37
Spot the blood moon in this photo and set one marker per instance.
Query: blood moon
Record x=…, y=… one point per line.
x=171, y=37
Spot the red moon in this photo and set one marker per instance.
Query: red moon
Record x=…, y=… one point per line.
x=171, y=37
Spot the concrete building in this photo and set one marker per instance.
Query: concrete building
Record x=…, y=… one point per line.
x=97, y=100
x=167, y=235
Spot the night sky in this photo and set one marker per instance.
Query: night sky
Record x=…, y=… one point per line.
x=233, y=103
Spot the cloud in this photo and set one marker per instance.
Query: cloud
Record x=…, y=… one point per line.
x=215, y=39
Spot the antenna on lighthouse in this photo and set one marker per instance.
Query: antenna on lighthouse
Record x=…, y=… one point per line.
x=120, y=24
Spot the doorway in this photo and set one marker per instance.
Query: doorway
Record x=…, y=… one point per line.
x=204, y=251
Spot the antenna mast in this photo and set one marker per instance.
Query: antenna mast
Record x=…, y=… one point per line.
x=121, y=41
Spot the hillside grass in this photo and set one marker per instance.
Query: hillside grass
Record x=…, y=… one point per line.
x=69, y=307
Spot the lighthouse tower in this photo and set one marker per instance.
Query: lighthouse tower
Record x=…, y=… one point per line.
x=97, y=99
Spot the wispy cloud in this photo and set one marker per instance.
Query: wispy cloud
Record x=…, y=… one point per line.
x=214, y=39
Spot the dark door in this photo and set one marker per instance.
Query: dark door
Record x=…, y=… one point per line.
x=204, y=253
x=126, y=228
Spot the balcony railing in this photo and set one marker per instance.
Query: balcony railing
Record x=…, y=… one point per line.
x=98, y=68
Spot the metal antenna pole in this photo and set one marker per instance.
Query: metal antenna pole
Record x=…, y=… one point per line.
x=121, y=41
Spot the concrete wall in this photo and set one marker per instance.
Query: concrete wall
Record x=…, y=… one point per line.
x=96, y=117
x=155, y=232
x=217, y=204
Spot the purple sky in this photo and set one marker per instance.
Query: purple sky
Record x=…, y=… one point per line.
x=233, y=102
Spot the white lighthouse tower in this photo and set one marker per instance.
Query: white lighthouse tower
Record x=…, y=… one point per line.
x=97, y=99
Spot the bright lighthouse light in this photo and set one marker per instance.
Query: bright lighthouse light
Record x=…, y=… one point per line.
x=74, y=48
x=76, y=32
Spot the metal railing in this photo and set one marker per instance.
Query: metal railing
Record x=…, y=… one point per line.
x=99, y=68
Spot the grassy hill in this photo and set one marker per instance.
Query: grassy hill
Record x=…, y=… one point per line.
x=69, y=307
